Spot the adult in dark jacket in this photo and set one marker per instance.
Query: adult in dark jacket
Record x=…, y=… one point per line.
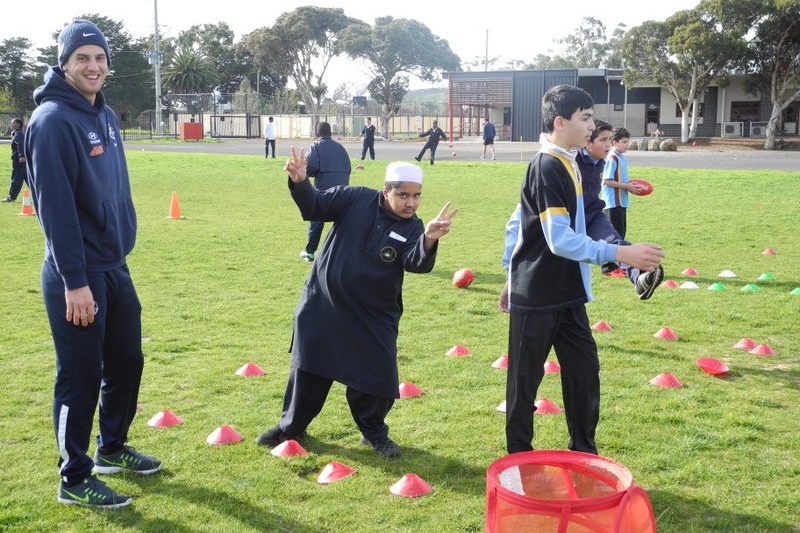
x=434, y=135
x=81, y=191
x=18, y=172
x=368, y=134
x=329, y=165
x=347, y=319
x=488, y=137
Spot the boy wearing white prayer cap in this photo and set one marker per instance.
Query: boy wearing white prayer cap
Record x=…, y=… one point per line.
x=347, y=319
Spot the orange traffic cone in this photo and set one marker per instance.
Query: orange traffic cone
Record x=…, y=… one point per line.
x=27, y=204
x=175, y=208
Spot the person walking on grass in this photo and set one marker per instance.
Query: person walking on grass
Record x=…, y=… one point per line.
x=18, y=172
x=82, y=195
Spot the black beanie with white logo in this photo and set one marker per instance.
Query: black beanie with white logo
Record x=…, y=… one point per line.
x=79, y=33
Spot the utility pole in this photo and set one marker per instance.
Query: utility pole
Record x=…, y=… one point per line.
x=155, y=60
x=486, y=53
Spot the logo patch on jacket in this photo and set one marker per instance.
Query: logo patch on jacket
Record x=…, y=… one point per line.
x=97, y=150
x=388, y=254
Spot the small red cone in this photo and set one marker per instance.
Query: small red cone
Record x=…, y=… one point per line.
x=670, y=284
x=602, y=326
x=769, y=251
x=288, y=448
x=175, y=207
x=138, y=407
x=545, y=406
x=665, y=334
x=334, y=471
x=689, y=272
x=224, y=435
x=745, y=344
x=501, y=362
x=27, y=204
x=551, y=367
x=409, y=390
x=712, y=366
x=666, y=380
x=250, y=369
x=410, y=486
x=164, y=419
x=763, y=349
x=457, y=351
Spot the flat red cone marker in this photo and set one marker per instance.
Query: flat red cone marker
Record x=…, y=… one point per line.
x=750, y=287
x=501, y=362
x=745, y=344
x=602, y=326
x=712, y=366
x=769, y=251
x=551, y=367
x=763, y=349
x=766, y=276
x=666, y=380
x=665, y=334
x=288, y=448
x=545, y=406
x=334, y=471
x=689, y=272
x=138, y=407
x=457, y=351
x=409, y=390
x=250, y=369
x=224, y=435
x=410, y=486
x=501, y=407
x=164, y=419
x=670, y=284
x=717, y=287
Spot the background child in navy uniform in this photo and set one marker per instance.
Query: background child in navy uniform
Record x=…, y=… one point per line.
x=550, y=281
x=434, y=135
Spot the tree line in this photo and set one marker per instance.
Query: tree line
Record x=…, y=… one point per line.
x=684, y=54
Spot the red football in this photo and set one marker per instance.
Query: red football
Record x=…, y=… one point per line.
x=646, y=187
x=463, y=278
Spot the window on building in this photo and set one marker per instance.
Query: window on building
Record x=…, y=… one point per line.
x=744, y=111
x=506, y=116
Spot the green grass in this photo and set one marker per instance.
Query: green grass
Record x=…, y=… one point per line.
x=721, y=454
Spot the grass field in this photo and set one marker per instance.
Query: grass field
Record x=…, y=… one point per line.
x=721, y=454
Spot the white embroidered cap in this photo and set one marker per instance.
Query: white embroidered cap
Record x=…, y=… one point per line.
x=400, y=171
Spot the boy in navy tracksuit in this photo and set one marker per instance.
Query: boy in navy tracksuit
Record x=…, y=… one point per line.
x=550, y=282
x=81, y=191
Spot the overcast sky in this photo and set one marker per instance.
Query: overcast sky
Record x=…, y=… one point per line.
x=508, y=32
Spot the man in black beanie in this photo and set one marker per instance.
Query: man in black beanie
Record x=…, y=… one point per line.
x=81, y=192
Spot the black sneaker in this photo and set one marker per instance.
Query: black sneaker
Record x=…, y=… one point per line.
x=92, y=492
x=8, y=199
x=387, y=448
x=126, y=459
x=418, y=159
x=274, y=436
x=648, y=282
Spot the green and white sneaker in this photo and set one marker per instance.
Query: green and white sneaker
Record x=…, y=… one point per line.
x=91, y=492
x=126, y=459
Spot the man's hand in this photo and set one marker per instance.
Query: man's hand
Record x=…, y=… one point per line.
x=81, y=306
x=502, y=302
x=296, y=166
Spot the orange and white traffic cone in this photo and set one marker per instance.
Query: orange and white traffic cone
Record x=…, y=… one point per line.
x=175, y=208
x=27, y=204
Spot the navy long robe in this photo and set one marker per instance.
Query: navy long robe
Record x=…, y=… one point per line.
x=347, y=319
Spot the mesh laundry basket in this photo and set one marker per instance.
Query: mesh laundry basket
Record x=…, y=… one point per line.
x=564, y=492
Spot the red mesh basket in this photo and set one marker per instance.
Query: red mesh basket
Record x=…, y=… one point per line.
x=562, y=491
